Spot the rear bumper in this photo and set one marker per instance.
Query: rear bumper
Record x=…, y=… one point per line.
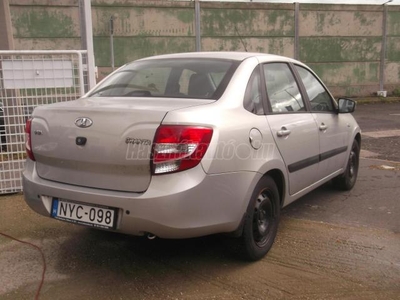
x=180, y=205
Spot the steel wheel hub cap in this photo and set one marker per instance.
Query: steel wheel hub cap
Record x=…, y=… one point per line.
x=262, y=219
x=351, y=163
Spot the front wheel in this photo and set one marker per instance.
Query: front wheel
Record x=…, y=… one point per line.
x=261, y=223
x=348, y=179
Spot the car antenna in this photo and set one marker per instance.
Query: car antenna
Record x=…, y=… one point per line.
x=237, y=33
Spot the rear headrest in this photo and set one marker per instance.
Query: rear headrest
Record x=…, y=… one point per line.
x=200, y=85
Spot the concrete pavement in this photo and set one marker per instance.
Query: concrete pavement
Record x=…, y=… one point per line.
x=330, y=245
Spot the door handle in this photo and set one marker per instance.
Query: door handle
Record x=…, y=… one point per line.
x=323, y=127
x=283, y=132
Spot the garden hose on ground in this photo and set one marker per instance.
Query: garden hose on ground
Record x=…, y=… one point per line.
x=43, y=259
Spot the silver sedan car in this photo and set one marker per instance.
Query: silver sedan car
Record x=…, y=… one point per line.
x=191, y=144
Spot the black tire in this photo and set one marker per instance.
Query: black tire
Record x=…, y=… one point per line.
x=347, y=180
x=261, y=223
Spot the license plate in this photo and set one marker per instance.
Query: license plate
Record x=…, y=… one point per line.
x=83, y=214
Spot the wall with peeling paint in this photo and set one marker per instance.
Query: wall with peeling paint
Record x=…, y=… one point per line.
x=45, y=25
x=392, y=71
x=342, y=43
x=141, y=29
x=256, y=27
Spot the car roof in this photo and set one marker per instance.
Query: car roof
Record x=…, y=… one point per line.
x=238, y=56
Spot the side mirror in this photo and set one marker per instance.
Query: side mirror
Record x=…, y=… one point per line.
x=346, y=105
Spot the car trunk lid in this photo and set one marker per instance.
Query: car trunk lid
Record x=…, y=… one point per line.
x=111, y=153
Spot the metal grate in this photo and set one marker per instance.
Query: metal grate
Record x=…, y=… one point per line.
x=29, y=79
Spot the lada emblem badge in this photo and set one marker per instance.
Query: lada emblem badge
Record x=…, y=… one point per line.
x=83, y=122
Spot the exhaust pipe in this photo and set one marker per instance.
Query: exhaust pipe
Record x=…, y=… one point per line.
x=151, y=236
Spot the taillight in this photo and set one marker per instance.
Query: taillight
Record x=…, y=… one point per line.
x=28, y=140
x=177, y=148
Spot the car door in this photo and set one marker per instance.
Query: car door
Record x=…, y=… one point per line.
x=333, y=132
x=293, y=126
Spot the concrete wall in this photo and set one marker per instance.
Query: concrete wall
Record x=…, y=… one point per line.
x=392, y=70
x=45, y=24
x=342, y=43
x=253, y=26
x=141, y=28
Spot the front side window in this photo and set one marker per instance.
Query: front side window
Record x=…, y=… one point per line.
x=166, y=78
x=282, y=89
x=320, y=99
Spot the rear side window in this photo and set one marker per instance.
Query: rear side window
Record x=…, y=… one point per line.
x=282, y=89
x=182, y=78
x=319, y=98
x=252, y=97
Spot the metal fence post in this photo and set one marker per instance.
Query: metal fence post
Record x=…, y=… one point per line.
x=80, y=74
x=112, y=42
x=296, y=29
x=6, y=32
x=381, y=91
x=197, y=24
x=87, y=23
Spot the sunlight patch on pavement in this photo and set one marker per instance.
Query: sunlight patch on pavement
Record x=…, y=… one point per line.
x=382, y=134
x=386, y=167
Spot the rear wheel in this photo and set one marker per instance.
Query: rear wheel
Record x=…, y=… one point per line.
x=261, y=223
x=348, y=179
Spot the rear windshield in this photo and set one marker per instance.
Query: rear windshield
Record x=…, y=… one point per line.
x=178, y=78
